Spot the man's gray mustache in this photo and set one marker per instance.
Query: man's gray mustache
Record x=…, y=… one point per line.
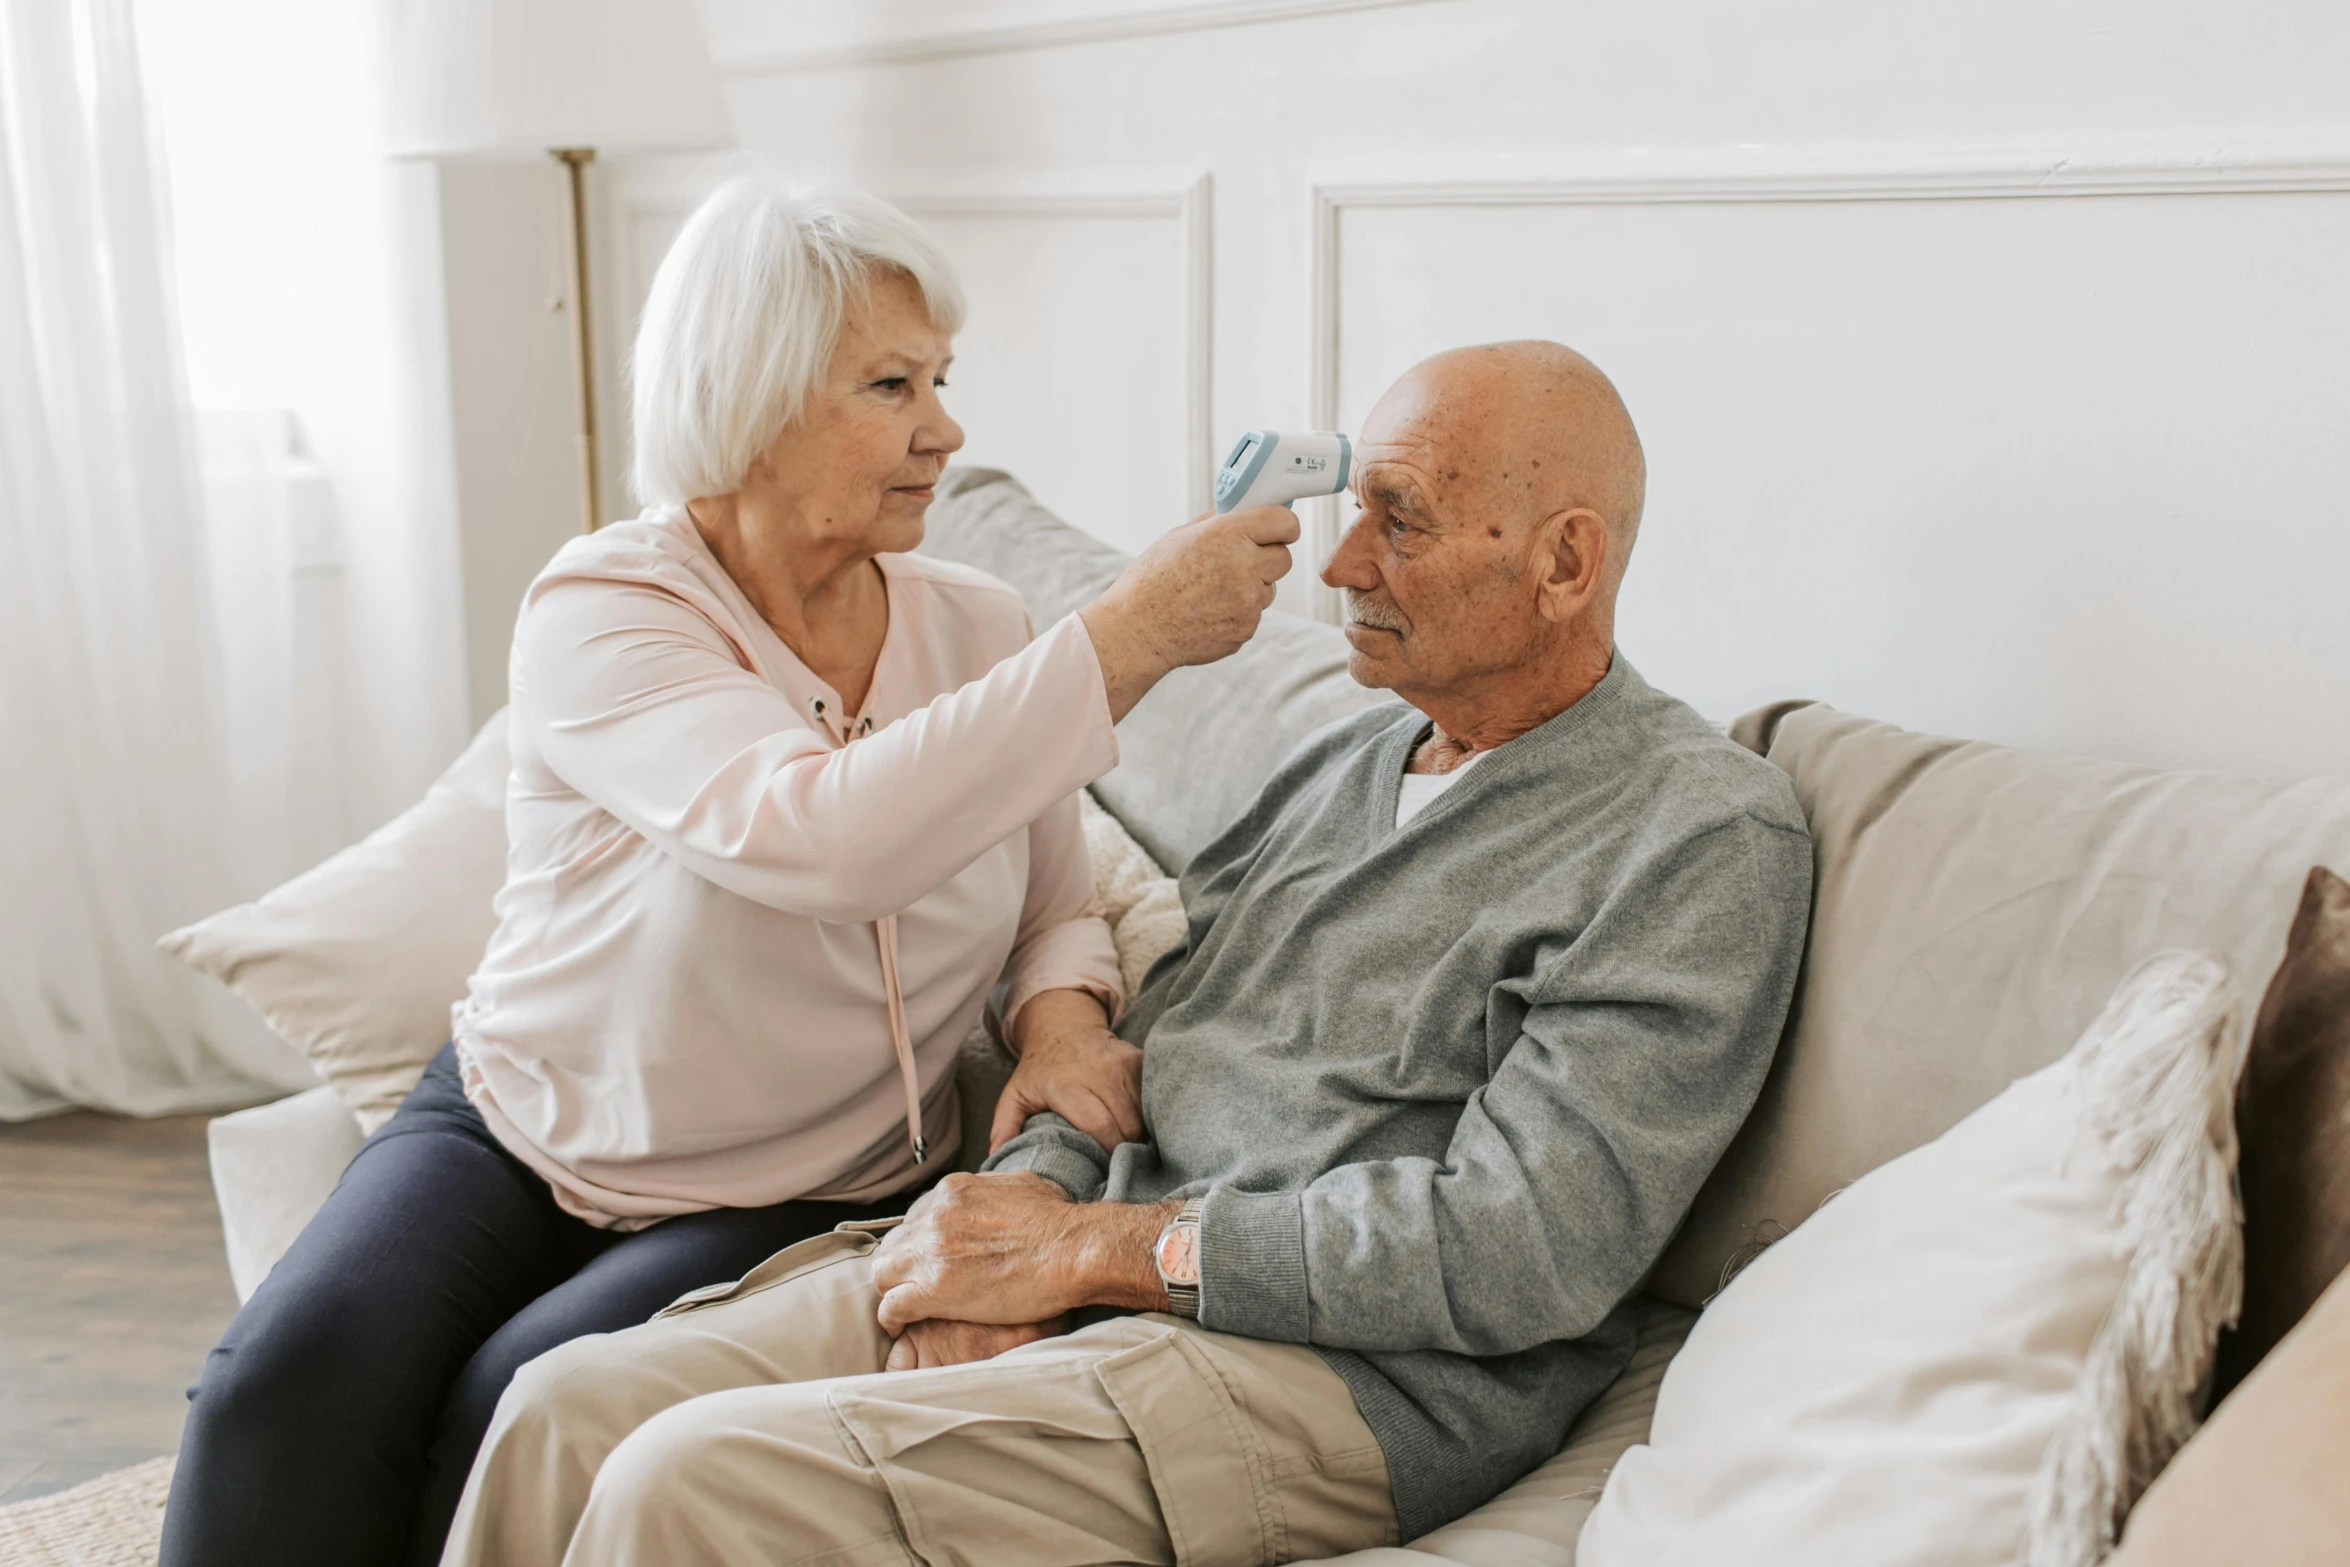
x=1362, y=611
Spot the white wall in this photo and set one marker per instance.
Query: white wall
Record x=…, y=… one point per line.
x=1994, y=360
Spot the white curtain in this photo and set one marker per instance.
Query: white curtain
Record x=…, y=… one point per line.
x=309, y=275
x=118, y=818
x=274, y=543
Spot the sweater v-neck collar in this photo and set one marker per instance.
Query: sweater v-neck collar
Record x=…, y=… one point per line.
x=1393, y=753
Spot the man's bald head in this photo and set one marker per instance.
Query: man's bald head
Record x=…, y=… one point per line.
x=1534, y=426
x=1501, y=490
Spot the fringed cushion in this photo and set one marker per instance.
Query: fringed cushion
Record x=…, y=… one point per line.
x=1982, y=1351
x=1138, y=898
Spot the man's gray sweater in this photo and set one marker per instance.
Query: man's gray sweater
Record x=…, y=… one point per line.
x=1448, y=1089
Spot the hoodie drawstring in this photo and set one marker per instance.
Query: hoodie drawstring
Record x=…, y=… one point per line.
x=885, y=932
x=885, y=935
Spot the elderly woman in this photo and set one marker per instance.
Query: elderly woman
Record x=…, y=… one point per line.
x=788, y=803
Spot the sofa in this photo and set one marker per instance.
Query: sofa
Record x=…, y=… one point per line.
x=1974, y=907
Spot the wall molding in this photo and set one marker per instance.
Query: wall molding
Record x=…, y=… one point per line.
x=1056, y=33
x=1192, y=208
x=1190, y=205
x=1783, y=176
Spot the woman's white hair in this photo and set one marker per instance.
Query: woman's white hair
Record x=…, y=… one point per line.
x=743, y=317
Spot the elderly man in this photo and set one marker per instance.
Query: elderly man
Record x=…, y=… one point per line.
x=1473, y=996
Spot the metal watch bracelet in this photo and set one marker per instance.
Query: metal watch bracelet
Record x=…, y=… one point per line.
x=1183, y=1229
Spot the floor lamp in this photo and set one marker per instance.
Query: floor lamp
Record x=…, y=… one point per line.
x=513, y=80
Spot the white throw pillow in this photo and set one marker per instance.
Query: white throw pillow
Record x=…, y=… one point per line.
x=357, y=961
x=1137, y=897
x=1982, y=1351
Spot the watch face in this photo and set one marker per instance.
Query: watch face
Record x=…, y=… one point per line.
x=1179, y=1254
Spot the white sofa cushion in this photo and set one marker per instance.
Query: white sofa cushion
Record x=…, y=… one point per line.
x=1979, y=1353
x=272, y=1167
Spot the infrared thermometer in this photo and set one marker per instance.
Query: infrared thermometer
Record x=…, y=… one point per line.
x=1268, y=468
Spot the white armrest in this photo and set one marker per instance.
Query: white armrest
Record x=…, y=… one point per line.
x=272, y=1167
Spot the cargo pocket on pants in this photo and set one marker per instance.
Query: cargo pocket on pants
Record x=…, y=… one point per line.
x=1208, y=1466
x=989, y=1466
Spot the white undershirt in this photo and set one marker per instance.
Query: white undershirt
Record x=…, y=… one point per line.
x=1420, y=790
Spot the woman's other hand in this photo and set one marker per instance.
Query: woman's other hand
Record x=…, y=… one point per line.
x=1072, y=1065
x=926, y=1345
x=1193, y=597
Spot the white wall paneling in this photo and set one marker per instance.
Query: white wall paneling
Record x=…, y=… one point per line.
x=1966, y=410
x=1098, y=396
x=2046, y=449
x=1085, y=364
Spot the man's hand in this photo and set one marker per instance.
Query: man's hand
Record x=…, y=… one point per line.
x=1072, y=1065
x=938, y=1342
x=1010, y=1248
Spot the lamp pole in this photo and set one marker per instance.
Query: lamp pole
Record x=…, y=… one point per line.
x=575, y=161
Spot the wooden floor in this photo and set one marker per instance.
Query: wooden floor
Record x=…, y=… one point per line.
x=112, y=1287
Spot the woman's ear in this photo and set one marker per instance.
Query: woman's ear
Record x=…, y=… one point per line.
x=1571, y=559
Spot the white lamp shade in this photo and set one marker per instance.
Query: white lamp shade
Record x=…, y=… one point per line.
x=513, y=79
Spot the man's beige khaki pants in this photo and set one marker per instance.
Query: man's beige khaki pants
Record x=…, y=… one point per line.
x=752, y=1423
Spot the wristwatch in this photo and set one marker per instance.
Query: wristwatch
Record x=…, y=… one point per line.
x=1177, y=1254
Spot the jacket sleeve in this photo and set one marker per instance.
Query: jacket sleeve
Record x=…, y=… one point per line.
x=1051, y=1147
x=1642, y=1047
x=637, y=700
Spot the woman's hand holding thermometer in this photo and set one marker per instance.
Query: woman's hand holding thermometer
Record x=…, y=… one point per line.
x=1196, y=595
x=1193, y=597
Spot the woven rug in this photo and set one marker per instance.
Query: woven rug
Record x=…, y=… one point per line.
x=115, y=1520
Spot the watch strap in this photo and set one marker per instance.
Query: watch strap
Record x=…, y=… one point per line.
x=1182, y=1299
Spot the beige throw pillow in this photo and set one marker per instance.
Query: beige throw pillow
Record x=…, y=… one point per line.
x=1973, y=906
x=2262, y=1483
x=357, y=961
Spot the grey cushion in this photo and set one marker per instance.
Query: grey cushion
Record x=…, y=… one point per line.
x=984, y=518
x=1194, y=752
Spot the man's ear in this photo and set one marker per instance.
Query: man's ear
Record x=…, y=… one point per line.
x=1570, y=561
